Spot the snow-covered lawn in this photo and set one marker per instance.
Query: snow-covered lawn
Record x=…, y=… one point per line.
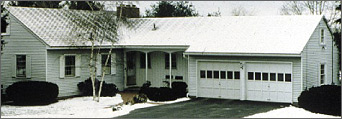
x=78, y=107
x=290, y=112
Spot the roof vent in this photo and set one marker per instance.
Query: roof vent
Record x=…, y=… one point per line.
x=154, y=27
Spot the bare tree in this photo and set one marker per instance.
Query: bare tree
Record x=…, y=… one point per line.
x=96, y=28
x=241, y=11
x=327, y=8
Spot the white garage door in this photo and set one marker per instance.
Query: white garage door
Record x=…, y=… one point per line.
x=219, y=80
x=269, y=82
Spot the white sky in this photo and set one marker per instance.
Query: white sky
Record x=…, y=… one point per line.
x=260, y=8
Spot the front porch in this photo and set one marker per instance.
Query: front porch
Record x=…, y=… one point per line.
x=159, y=66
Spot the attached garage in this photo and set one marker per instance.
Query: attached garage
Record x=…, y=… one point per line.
x=269, y=82
x=258, y=81
x=219, y=79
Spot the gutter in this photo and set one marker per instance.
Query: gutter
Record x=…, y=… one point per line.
x=243, y=54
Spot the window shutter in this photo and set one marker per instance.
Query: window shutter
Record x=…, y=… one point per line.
x=113, y=63
x=14, y=66
x=61, y=66
x=28, y=66
x=98, y=65
x=78, y=65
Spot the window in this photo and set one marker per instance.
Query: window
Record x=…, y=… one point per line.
x=223, y=74
x=216, y=74
x=173, y=62
x=250, y=75
x=265, y=76
x=143, y=60
x=272, y=76
x=202, y=73
x=21, y=66
x=236, y=74
x=287, y=77
x=103, y=62
x=257, y=76
x=322, y=74
x=69, y=65
x=322, y=36
x=230, y=74
x=280, y=77
x=209, y=74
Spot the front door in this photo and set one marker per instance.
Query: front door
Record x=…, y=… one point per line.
x=131, y=69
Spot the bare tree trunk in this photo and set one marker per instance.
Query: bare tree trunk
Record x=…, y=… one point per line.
x=91, y=67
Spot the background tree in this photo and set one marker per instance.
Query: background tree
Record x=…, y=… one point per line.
x=85, y=5
x=38, y=4
x=337, y=36
x=171, y=9
x=327, y=8
x=4, y=24
x=241, y=11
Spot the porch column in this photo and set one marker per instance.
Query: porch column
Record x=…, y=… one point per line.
x=146, y=65
x=125, y=69
x=170, y=67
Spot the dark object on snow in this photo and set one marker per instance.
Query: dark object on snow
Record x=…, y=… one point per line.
x=140, y=98
x=159, y=94
x=86, y=88
x=179, y=89
x=325, y=99
x=32, y=92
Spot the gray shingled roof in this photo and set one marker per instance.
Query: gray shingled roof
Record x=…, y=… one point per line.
x=236, y=34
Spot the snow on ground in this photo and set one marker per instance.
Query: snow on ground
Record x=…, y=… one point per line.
x=290, y=112
x=78, y=107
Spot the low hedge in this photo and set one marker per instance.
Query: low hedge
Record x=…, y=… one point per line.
x=325, y=99
x=29, y=92
x=86, y=88
x=164, y=93
x=179, y=89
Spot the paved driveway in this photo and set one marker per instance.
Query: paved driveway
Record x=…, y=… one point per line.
x=205, y=108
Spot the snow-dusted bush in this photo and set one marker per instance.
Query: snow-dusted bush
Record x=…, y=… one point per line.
x=325, y=99
x=86, y=88
x=29, y=92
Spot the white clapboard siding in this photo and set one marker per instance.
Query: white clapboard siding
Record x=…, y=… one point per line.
x=13, y=66
x=22, y=41
x=113, y=64
x=61, y=66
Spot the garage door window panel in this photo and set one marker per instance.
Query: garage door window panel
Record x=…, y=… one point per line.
x=287, y=77
x=223, y=74
x=202, y=73
x=230, y=74
x=216, y=74
x=272, y=76
x=250, y=75
x=281, y=77
x=257, y=76
x=265, y=76
x=209, y=74
x=236, y=74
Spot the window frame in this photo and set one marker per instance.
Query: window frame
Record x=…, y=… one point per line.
x=16, y=66
x=322, y=36
x=173, y=60
x=324, y=73
x=109, y=64
x=65, y=65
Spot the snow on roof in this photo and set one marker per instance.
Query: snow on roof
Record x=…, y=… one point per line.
x=232, y=34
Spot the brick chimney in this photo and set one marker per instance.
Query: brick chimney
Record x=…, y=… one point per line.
x=129, y=11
